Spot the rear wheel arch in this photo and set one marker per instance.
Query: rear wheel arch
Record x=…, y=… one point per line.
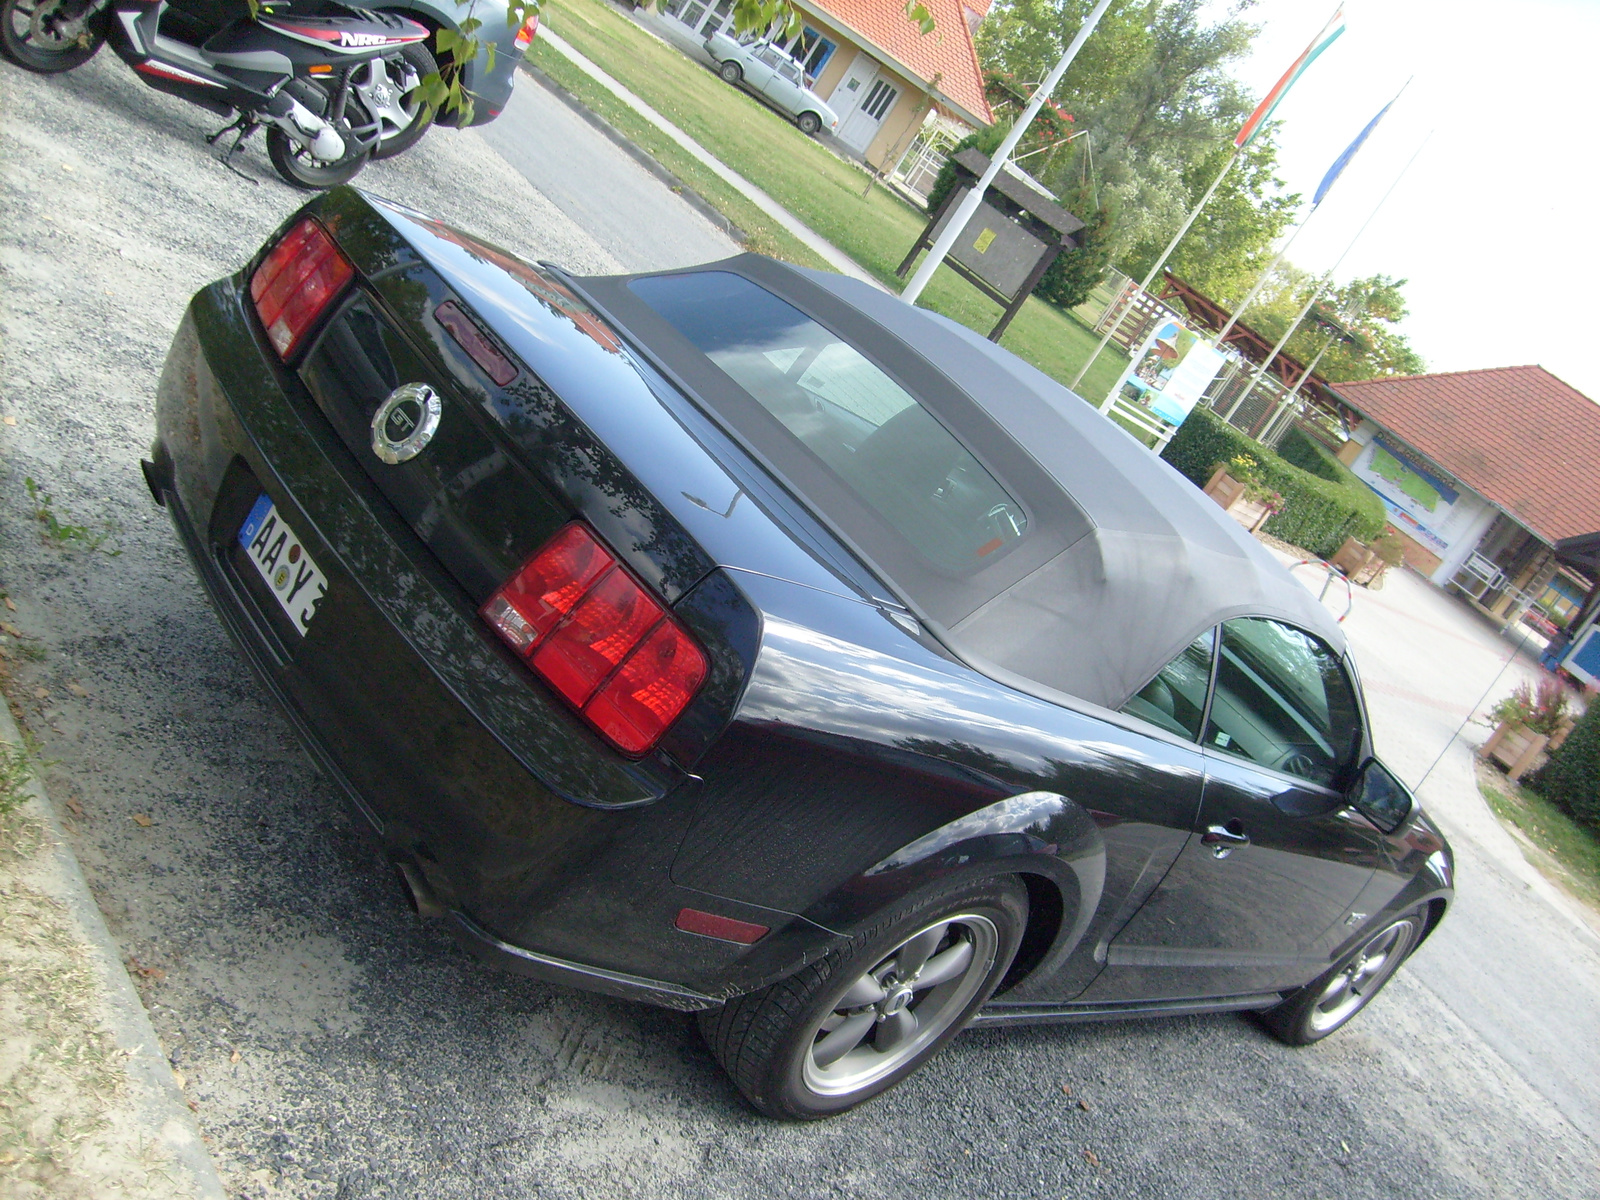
x=1049, y=842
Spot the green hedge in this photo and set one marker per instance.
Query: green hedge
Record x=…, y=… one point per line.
x=1571, y=779
x=1298, y=449
x=1318, y=513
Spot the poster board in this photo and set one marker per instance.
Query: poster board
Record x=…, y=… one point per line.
x=1169, y=373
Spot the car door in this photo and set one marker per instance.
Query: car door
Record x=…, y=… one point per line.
x=760, y=65
x=1258, y=896
x=784, y=88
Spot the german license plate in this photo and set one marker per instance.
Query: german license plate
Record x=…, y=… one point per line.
x=277, y=552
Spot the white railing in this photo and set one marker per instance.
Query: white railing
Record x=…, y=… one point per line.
x=919, y=166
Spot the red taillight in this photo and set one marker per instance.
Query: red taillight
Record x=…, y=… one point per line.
x=525, y=34
x=599, y=639
x=297, y=281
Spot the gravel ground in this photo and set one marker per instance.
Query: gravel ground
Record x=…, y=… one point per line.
x=333, y=1046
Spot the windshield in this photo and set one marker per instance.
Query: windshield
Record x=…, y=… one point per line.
x=867, y=430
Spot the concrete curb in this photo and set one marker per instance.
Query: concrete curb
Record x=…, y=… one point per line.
x=684, y=192
x=162, y=1110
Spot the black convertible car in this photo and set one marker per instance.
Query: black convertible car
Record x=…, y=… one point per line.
x=744, y=640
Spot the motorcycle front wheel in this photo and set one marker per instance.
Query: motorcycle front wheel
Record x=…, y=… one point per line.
x=49, y=36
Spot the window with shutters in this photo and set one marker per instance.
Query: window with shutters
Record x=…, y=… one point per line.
x=878, y=100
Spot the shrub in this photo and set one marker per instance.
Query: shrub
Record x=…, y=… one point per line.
x=1300, y=449
x=1571, y=779
x=1390, y=547
x=985, y=140
x=1541, y=711
x=1318, y=514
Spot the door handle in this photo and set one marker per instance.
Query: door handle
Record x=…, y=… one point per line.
x=1223, y=838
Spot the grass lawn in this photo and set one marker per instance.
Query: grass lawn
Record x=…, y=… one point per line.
x=816, y=185
x=1574, y=849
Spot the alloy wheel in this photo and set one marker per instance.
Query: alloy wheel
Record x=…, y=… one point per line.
x=905, y=1002
x=1361, y=976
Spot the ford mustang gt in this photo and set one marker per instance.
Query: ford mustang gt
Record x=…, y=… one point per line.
x=746, y=641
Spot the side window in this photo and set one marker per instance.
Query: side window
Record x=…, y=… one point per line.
x=1176, y=698
x=1283, y=700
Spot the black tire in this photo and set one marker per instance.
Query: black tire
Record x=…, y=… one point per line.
x=771, y=1041
x=809, y=123
x=1328, y=1002
x=393, y=140
x=731, y=72
x=294, y=162
x=36, y=35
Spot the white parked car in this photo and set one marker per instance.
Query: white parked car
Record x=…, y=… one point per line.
x=775, y=77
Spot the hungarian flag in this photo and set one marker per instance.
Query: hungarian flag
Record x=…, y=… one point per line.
x=1263, y=113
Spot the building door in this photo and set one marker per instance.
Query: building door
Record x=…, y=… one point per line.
x=851, y=92
x=858, y=130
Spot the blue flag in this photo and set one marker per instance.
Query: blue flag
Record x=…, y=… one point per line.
x=1343, y=161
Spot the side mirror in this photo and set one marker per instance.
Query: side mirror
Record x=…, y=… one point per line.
x=1379, y=796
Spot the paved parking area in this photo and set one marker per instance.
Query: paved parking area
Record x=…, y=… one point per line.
x=334, y=1046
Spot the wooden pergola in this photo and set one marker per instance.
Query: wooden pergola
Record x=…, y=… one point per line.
x=1255, y=347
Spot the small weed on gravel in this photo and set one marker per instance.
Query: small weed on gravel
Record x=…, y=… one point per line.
x=15, y=771
x=61, y=533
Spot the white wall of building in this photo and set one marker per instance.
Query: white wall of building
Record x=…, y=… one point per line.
x=1450, y=524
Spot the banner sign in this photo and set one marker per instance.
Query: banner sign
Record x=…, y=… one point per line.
x=1169, y=373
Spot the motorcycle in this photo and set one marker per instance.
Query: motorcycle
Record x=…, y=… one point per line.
x=331, y=84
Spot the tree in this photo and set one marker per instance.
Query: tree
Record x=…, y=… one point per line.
x=1157, y=108
x=1231, y=242
x=1024, y=39
x=1370, y=309
x=1075, y=273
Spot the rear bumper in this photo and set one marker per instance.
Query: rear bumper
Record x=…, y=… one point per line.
x=544, y=882
x=232, y=609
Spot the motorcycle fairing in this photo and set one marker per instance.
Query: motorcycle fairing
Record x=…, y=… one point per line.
x=353, y=36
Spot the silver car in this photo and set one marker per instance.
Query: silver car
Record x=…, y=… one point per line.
x=775, y=77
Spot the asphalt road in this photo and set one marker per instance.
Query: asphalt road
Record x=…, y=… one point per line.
x=334, y=1046
x=618, y=203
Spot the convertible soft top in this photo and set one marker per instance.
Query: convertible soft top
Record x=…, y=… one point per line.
x=1124, y=562
x=1161, y=564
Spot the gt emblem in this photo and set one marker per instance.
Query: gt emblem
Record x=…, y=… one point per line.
x=405, y=422
x=1355, y=918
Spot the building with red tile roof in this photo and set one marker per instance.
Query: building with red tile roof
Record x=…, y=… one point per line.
x=880, y=73
x=944, y=61
x=1484, y=472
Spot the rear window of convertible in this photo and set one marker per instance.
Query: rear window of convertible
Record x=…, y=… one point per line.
x=870, y=433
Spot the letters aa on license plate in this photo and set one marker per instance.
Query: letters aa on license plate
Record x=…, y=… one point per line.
x=296, y=582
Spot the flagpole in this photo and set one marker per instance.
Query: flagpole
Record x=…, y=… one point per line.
x=964, y=212
x=1159, y=263
x=1247, y=133
x=1276, y=350
x=1327, y=277
x=1277, y=417
x=1261, y=280
x=1323, y=189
